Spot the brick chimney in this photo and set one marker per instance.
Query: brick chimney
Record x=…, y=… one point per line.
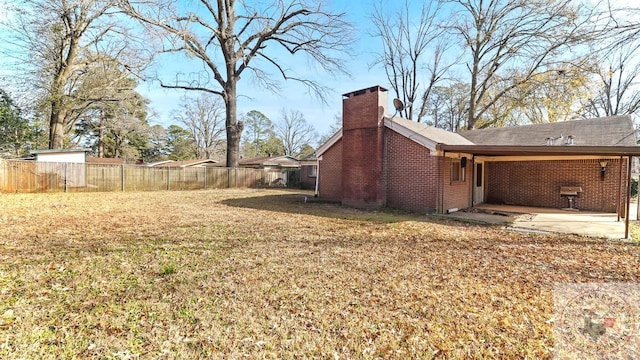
x=362, y=147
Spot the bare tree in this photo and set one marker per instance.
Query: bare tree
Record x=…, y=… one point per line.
x=515, y=40
x=552, y=96
x=230, y=37
x=617, y=91
x=411, y=46
x=204, y=118
x=61, y=39
x=294, y=131
x=447, y=106
x=103, y=90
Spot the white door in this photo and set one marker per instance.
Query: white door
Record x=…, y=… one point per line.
x=478, y=182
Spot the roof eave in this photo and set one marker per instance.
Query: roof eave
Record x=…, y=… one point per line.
x=329, y=143
x=410, y=134
x=510, y=150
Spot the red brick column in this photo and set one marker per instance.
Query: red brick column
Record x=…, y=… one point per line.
x=363, y=147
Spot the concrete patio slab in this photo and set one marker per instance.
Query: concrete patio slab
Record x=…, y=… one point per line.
x=585, y=223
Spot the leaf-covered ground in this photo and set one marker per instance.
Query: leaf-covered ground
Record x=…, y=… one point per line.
x=262, y=274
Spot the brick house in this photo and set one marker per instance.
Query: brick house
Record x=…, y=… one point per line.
x=378, y=160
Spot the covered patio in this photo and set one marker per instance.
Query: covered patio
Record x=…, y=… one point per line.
x=526, y=215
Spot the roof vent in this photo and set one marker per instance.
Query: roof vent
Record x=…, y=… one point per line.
x=569, y=140
x=550, y=140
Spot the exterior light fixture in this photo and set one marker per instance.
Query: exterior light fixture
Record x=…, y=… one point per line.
x=603, y=168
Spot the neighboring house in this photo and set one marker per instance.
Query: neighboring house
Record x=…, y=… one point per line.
x=378, y=160
x=308, y=172
x=184, y=163
x=287, y=166
x=104, y=161
x=157, y=163
x=270, y=162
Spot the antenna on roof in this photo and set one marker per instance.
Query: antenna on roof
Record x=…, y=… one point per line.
x=399, y=105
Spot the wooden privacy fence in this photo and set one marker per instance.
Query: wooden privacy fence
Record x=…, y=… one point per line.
x=31, y=176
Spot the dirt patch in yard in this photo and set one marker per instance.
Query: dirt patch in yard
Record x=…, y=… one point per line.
x=262, y=274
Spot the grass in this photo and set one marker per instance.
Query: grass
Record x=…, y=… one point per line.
x=262, y=274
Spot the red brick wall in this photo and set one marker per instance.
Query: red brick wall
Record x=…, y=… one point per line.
x=457, y=194
x=330, y=173
x=362, y=142
x=411, y=174
x=537, y=183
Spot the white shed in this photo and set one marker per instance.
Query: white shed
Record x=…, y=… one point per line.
x=63, y=167
x=61, y=155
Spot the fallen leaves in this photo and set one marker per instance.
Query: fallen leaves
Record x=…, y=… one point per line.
x=262, y=274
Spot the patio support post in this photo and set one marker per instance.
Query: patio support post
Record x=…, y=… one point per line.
x=472, y=165
x=619, y=202
x=628, y=204
x=637, y=204
x=440, y=196
x=443, y=163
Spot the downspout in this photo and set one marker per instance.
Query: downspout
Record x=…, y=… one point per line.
x=626, y=220
x=317, y=176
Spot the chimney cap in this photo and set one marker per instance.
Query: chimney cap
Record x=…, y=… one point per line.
x=363, y=91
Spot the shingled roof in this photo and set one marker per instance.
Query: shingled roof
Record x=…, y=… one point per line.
x=604, y=131
x=185, y=163
x=277, y=161
x=429, y=134
x=425, y=135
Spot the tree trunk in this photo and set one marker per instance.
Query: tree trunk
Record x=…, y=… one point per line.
x=100, y=142
x=234, y=127
x=471, y=119
x=56, y=126
x=101, y=134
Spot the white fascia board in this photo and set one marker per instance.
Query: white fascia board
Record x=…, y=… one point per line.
x=328, y=144
x=411, y=135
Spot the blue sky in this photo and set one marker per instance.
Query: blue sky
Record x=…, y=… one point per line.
x=293, y=95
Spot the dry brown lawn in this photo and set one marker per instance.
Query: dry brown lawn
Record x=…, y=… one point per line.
x=262, y=274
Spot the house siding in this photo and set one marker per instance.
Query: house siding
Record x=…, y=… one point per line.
x=411, y=174
x=330, y=173
x=537, y=183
